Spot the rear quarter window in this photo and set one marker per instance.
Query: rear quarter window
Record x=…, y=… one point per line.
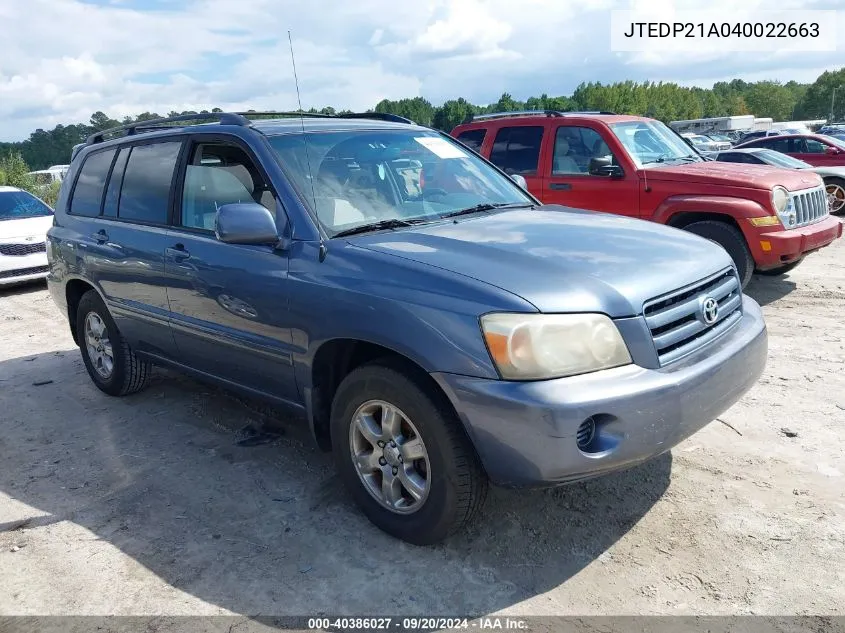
x=87, y=195
x=473, y=139
x=516, y=150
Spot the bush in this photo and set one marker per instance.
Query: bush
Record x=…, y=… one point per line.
x=14, y=172
x=50, y=193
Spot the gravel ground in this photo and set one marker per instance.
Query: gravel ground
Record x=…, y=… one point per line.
x=149, y=505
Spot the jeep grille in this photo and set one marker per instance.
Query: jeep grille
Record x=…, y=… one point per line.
x=810, y=206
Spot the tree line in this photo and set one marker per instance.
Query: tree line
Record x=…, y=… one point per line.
x=659, y=100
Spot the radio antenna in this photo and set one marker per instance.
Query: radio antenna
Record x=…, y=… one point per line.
x=305, y=139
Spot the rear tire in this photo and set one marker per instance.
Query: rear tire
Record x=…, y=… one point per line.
x=110, y=362
x=780, y=270
x=728, y=237
x=449, y=484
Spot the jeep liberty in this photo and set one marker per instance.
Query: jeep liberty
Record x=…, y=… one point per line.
x=768, y=219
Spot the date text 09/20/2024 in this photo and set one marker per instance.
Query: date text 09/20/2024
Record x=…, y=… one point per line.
x=417, y=623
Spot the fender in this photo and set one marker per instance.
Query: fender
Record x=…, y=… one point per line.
x=737, y=208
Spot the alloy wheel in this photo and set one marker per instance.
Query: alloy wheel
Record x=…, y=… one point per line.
x=98, y=345
x=390, y=457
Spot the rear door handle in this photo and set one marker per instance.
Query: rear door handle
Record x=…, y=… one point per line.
x=177, y=253
x=101, y=237
x=560, y=186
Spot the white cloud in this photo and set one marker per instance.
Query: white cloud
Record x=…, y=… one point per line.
x=64, y=59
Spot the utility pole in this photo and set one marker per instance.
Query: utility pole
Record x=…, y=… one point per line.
x=833, y=101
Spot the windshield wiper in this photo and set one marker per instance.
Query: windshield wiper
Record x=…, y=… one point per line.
x=392, y=223
x=487, y=206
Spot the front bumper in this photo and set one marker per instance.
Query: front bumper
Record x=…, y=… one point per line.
x=525, y=432
x=786, y=246
x=15, y=270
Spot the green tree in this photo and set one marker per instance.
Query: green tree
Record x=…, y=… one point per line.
x=819, y=100
x=770, y=99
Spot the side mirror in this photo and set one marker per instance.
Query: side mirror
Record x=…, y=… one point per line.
x=831, y=151
x=519, y=180
x=605, y=167
x=245, y=223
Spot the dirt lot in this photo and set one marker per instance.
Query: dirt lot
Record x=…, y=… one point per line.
x=148, y=504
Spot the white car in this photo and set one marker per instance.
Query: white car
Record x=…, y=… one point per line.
x=24, y=221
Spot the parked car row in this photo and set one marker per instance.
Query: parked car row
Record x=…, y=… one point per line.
x=442, y=313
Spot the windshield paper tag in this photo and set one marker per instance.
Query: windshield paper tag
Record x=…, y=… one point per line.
x=441, y=147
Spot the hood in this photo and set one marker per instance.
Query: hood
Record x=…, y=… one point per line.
x=734, y=175
x=22, y=228
x=560, y=259
x=838, y=172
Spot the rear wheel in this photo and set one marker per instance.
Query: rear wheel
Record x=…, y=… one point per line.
x=403, y=454
x=110, y=361
x=835, y=188
x=728, y=237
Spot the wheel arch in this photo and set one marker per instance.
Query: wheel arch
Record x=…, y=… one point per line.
x=74, y=290
x=335, y=359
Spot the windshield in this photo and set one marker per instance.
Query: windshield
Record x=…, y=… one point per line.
x=782, y=160
x=835, y=141
x=651, y=142
x=20, y=204
x=381, y=176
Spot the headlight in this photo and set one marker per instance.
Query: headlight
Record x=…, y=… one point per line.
x=784, y=207
x=538, y=346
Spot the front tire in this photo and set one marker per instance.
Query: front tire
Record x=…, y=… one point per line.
x=728, y=237
x=835, y=189
x=110, y=362
x=403, y=454
x=780, y=270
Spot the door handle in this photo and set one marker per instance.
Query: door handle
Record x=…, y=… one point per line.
x=177, y=253
x=101, y=237
x=560, y=186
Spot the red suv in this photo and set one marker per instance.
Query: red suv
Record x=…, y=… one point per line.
x=766, y=218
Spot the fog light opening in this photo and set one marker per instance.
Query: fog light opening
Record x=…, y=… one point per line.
x=586, y=434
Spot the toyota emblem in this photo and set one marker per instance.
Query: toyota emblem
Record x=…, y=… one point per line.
x=709, y=310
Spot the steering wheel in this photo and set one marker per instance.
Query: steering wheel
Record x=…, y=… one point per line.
x=434, y=191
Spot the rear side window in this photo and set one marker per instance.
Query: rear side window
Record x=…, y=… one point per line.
x=145, y=194
x=777, y=144
x=473, y=139
x=516, y=150
x=88, y=192
x=113, y=188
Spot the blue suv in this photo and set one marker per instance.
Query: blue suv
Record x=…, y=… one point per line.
x=434, y=324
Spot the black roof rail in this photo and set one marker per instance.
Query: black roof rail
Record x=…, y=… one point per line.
x=379, y=116
x=225, y=118
x=550, y=113
x=229, y=118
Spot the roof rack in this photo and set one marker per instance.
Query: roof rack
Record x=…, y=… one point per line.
x=230, y=118
x=225, y=118
x=550, y=113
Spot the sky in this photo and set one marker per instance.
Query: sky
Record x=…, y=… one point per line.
x=62, y=60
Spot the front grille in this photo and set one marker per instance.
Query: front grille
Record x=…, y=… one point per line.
x=810, y=206
x=23, y=272
x=17, y=250
x=678, y=322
